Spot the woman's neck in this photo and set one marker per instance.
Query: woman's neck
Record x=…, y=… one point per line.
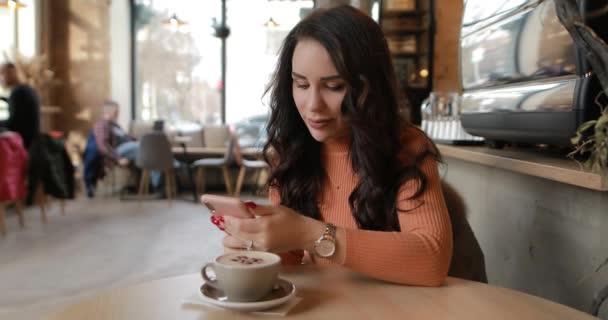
x=340, y=145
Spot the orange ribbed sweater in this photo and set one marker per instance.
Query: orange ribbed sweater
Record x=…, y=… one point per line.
x=420, y=253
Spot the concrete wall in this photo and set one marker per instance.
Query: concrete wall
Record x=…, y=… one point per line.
x=538, y=236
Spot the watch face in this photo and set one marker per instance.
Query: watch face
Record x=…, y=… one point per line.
x=325, y=248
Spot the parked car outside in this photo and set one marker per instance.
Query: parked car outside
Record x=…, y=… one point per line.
x=251, y=131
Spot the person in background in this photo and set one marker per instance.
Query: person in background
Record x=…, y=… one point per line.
x=352, y=182
x=23, y=105
x=114, y=144
x=107, y=145
x=110, y=145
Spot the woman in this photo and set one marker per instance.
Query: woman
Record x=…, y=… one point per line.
x=352, y=182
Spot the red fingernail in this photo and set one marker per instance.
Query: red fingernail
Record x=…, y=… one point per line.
x=218, y=221
x=251, y=204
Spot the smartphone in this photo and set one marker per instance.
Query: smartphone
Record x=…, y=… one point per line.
x=222, y=205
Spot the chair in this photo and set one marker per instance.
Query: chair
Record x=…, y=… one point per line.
x=42, y=199
x=18, y=209
x=138, y=128
x=259, y=165
x=155, y=154
x=599, y=305
x=13, y=166
x=215, y=137
x=255, y=162
x=191, y=137
x=467, y=259
x=115, y=181
x=50, y=173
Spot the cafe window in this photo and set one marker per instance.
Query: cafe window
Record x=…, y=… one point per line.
x=178, y=62
x=252, y=51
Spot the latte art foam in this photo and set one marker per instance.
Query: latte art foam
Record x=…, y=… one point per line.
x=247, y=260
x=244, y=259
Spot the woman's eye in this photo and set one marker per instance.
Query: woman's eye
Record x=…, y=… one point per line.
x=301, y=86
x=335, y=87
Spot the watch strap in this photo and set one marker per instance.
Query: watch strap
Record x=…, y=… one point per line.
x=330, y=230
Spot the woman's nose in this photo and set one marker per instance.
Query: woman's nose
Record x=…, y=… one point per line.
x=315, y=101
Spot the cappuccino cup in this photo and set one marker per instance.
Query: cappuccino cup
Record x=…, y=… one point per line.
x=244, y=276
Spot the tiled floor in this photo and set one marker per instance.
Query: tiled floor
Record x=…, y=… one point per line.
x=98, y=245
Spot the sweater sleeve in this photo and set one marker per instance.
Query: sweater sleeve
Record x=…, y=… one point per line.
x=293, y=257
x=420, y=253
x=101, y=130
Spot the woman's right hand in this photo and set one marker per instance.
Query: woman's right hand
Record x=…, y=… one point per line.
x=232, y=244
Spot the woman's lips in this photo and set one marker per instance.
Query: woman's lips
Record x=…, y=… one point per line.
x=318, y=124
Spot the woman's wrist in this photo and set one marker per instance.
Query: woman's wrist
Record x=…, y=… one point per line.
x=313, y=230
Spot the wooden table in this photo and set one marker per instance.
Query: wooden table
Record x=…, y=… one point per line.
x=206, y=151
x=329, y=293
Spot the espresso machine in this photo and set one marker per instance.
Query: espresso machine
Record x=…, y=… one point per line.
x=523, y=78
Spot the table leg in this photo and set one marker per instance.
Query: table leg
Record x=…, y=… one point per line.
x=19, y=209
x=190, y=174
x=192, y=183
x=169, y=185
x=2, y=220
x=42, y=201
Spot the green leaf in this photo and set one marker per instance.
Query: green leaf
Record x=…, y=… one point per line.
x=588, y=163
x=603, y=155
x=586, y=126
x=600, y=135
x=602, y=121
x=576, y=139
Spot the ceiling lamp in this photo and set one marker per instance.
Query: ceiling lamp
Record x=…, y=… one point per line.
x=174, y=22
x=271, y=23
x=12, y=4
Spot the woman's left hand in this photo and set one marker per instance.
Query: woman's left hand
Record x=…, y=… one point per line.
x=276, y=229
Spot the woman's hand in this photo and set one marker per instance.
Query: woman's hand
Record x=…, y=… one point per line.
x=276, y=229
x=123, y=162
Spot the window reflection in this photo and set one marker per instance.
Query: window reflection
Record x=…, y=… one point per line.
x=528, y=44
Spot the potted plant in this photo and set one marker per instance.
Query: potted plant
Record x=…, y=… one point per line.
x=591, y=137
x=591, y=140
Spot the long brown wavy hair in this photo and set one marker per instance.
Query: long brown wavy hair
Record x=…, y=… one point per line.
x=359, y=51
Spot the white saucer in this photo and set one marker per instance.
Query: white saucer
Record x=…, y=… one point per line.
x=282, y=292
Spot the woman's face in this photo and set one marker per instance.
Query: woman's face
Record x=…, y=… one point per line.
x=318, y=91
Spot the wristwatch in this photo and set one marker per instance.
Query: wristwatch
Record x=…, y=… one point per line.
x=325, y=246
